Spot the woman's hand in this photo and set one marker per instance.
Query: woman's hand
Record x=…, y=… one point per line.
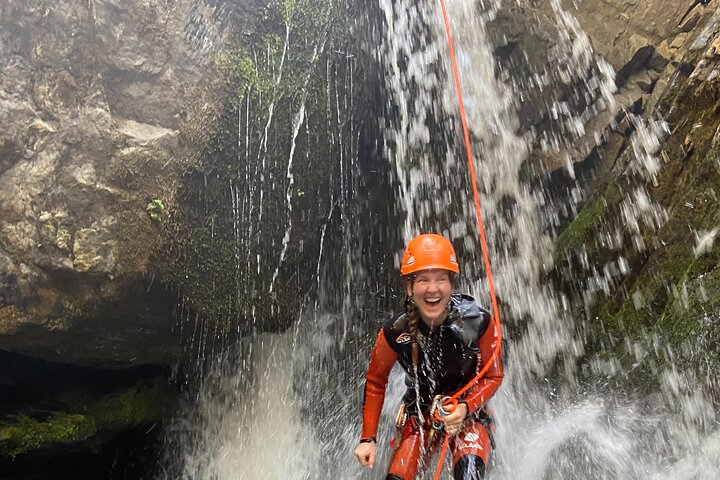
x=454, y=421
x=365, y=453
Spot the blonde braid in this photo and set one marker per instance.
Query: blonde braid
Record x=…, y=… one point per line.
x=412, y=316
x=413, y=324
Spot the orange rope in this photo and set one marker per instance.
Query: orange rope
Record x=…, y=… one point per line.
x=481, y=229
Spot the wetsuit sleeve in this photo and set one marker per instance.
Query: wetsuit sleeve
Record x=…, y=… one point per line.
x=381, y=362
x=486, y=386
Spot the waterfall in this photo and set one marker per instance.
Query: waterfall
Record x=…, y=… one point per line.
x=288, y=405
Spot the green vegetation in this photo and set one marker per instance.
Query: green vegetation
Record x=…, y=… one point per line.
x=594, y=214
x=288, y=61
x=85, y=419
x=128, y=408
x=672, y=292
x=155, y=209
x=22, y=434
x=288, y=9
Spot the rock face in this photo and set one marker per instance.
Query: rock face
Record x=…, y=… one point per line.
x=293, y=172
x=130, y=204
x=639, y=254
x=656, y=282
x=93, y=99
x=106, y=104
x=622, y=29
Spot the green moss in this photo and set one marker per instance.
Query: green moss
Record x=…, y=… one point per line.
x=129, y=408
x=579, y=229
x=239, y=70
x=206, y=252
x=85, y=420
x=697, y=292
x=155, y=210
x=582, y=229
x=288, y=9
x=21, y=434
x=680, y=291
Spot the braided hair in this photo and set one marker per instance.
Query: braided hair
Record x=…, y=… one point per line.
x=412, y=316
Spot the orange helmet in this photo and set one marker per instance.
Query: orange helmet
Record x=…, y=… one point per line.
x=426, y=251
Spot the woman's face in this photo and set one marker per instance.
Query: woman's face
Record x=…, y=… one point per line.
x=431, y=292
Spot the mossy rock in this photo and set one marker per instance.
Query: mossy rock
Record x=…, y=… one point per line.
x=85, y=420
x=595, y=213
x=665, y=305
x=21, y=434
x=129, y=408
x=213, y=227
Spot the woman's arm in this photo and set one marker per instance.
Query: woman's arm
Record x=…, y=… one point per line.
x=486, y=386
x=381, y=362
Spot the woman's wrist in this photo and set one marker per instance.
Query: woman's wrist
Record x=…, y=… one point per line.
x=368, y=440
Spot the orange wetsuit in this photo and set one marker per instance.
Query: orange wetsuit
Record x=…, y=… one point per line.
x=451, y=355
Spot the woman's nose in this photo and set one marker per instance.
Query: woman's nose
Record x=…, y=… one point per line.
x=433, y=286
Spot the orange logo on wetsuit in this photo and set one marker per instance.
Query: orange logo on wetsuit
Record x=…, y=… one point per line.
x=403, y=338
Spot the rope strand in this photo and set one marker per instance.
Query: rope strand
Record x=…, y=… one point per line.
x=481, y=228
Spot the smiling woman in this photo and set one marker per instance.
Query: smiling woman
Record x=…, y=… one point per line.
x=430, y=291
x=442, y=340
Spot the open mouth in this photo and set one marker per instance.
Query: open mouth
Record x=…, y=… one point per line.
x=432, y=303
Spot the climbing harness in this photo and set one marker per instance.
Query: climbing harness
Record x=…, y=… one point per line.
x=446, y=405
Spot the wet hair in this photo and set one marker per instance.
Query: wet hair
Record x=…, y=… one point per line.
x=412, y=316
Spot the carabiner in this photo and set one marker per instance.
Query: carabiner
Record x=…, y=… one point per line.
x=442, y=406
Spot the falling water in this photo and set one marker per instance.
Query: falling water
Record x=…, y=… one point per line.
x=519, y=250
x=557, y=430
x=287, y=406
x=272, y=405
